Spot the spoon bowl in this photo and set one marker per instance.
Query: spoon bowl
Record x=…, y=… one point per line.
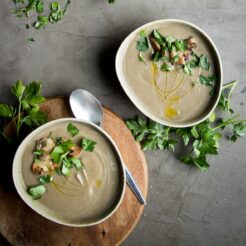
x=86, y=107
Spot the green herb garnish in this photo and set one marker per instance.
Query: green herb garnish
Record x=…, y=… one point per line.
x=207, y=80
x=45, y=179
x=37, y=191
x=200, y=140
x=88, y=145
x=204, y=63
x=180, y=45
x=27, y=111
x=73, y=130
x=142, y=44
x=55, y=13
x=61, y=151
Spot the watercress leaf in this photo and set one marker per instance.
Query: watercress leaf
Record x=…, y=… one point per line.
x=37, y=191
x=204, y=63
x=88, y=144
x=72, y=129
x=6, y=111
x=18, y=89
x=45, y=179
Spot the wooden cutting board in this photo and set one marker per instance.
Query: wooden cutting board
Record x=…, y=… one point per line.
x=20, y=225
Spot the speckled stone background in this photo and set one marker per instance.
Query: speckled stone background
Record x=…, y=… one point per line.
x=185, y=207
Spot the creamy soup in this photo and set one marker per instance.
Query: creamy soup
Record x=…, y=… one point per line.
x=88, y=198
x=172, y=95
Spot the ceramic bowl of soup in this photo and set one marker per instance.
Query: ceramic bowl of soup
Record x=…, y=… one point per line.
x=71, y=172
x=172, y=72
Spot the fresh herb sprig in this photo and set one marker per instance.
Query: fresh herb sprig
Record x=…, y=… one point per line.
x=55, y=14
x=200, y=140
x=27, y=111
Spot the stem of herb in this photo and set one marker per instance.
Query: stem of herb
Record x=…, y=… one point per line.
x=228, y=122
x=18, y=120
x=231, y=85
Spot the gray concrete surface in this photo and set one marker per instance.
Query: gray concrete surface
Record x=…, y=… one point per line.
x=185, y=207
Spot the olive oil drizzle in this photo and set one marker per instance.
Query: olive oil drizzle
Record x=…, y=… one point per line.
x=170, y=91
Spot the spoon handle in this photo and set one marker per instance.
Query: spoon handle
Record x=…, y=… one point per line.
x=134, y=186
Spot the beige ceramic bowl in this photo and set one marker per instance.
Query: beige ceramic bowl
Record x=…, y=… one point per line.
x=132, y=95
x=22, y=189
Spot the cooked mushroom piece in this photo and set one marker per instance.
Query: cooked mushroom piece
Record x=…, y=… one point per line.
x=46, y=145
x=40, y=167
x=75, y=151
x=191, y=43
x=154, y=43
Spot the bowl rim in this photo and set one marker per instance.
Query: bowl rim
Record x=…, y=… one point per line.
x=18, y=181
x=138, y=103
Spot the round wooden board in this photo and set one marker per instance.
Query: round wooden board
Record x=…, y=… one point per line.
x=22, y=226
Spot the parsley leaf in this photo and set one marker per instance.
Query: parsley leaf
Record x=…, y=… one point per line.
x=159, y=37
x=207, y=80
x=88, y=145
x=37, y=191
x=73, y=130
x=180, y=45
x=29, y=97
x=142, y=43
x=41, y=22
x=40, y=6
x=188, y=68
x=238, y=131
x=204, y=63
x=76, y=162
x=45, y=179
x=6, y=111
x=199, y=141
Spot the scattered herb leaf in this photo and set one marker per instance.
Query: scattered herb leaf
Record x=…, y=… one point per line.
x=73, y=130
x=88, y=145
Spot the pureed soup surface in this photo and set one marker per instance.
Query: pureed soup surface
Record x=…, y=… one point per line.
x=170, y=95
x=67, y=198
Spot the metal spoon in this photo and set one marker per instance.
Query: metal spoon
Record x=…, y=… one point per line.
x=86, y=107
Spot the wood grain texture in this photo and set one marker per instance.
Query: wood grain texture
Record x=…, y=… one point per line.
x=21, y=226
